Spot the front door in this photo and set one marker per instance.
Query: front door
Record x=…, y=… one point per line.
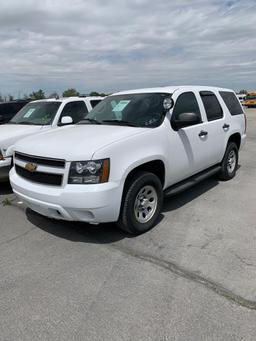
x=189, y=145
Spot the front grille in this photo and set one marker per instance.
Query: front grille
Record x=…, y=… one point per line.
x=40, y=160
x=39, y=177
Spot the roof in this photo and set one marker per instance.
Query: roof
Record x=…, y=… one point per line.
x=172, y=89
x=16, y=101
x=68, y=99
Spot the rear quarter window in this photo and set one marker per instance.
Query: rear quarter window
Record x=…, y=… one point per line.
x=231, y=102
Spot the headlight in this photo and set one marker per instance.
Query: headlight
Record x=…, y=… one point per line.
x=89, y=172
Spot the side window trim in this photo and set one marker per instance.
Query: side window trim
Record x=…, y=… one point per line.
x=211, y=93
x=61, y=112
x=198, y=104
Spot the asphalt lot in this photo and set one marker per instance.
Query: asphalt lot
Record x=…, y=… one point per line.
x=191, y=278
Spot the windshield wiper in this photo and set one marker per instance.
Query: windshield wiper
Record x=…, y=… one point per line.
x=121, y=122
x=90, y=120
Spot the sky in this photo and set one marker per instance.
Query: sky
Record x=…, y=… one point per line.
x=115, y=45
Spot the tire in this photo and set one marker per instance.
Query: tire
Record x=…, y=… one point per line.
x=141, y=204
x=229, y=163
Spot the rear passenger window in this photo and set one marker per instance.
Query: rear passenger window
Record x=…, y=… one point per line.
x=186, y=103
x=231, y=102
x=95, y=102
x=212, y=106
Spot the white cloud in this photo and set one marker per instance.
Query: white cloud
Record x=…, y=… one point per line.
x=117, y=45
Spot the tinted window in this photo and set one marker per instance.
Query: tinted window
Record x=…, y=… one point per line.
x=8, y=110
x=77, y=110
x=11, y=108
x=95, y=102
x=186, y=103
x=211, y=105
x=20, y=105
x=231, y=102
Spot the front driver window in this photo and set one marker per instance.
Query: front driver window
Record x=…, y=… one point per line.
x=186, y=103
x=76, y=110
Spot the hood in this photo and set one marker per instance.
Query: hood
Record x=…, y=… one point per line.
x=11, y=133
x=75, y=143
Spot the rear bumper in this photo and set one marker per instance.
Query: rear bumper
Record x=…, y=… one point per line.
x=87, y=203
x=243, y=138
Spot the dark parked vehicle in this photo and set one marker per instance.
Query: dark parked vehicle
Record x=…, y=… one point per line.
x=9, y=109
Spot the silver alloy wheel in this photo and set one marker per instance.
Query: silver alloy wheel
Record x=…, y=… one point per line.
x=232, y=159
x=145, y=204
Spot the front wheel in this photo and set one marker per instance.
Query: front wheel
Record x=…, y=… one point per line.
x=142, y=203
x=229, y=163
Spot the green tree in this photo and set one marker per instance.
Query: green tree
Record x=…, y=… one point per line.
x=70, y=93
x=95, y=93
x=37, y=94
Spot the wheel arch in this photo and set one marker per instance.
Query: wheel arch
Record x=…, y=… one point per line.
x=236, y=138
x=156, y=167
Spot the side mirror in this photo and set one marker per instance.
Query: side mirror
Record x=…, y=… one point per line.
x=65, y=120
x=1, y=119
x=185, y=119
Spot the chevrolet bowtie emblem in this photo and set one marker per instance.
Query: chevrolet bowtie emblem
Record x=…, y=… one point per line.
x=31, y=167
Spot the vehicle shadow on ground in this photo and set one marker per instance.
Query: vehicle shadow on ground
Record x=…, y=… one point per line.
x=77, y=231
x=109, y=233
x=5, y=188
x=180, y=200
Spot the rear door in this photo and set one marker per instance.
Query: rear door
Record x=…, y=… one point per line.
x=216, y=126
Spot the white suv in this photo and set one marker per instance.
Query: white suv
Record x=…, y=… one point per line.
x=38, y=116
x=133, y=149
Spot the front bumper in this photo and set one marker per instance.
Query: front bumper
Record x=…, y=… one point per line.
x=88, y=203
x=5, y=166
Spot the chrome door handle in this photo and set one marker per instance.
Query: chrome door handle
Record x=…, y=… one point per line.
x=203, y=133
x=226, y=126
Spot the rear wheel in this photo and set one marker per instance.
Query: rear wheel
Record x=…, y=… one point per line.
x=142, y=203
x=229, y=163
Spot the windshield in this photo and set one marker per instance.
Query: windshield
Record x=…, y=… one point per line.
x=37, y=113
x=140, y=110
